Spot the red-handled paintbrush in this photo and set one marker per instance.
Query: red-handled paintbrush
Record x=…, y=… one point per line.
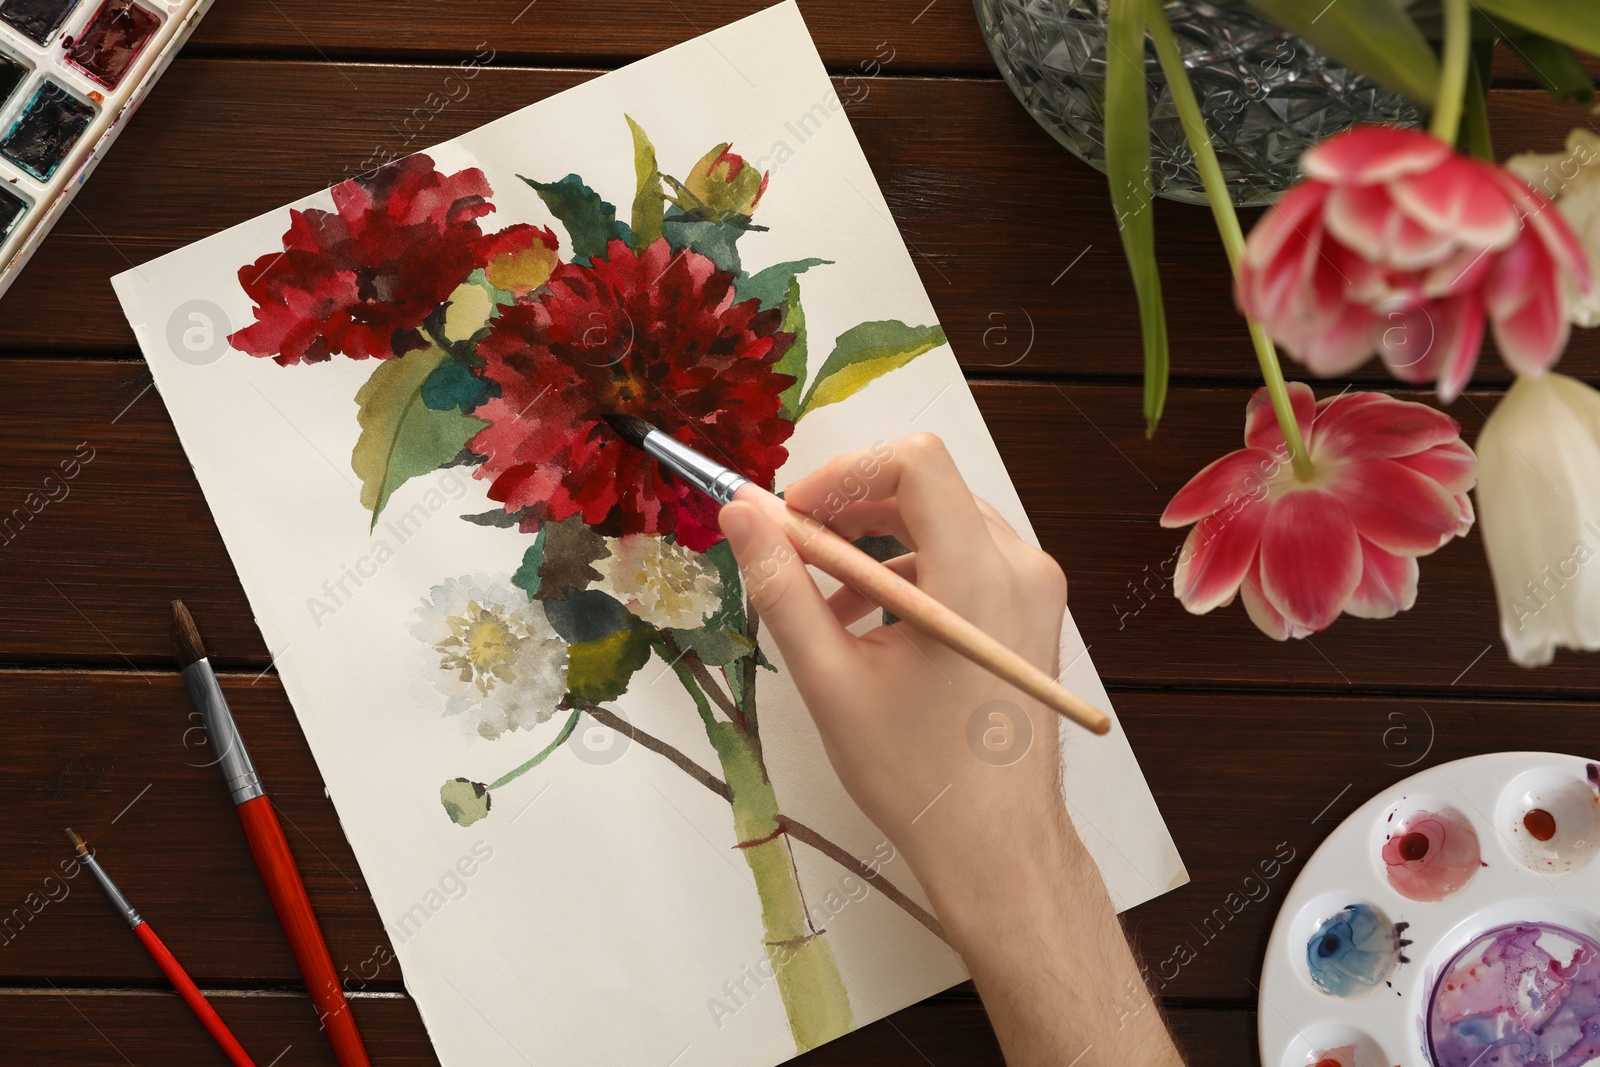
x=267, y=844
x=164, y=959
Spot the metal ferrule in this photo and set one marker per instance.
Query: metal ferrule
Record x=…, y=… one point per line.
x=128, y=911
x=706, y=474
x=233, y=759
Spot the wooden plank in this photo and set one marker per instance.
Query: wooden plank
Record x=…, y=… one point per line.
x=1012, y=235
x=89, y=577
x=48, y=1027
x=941, y=36
x=1250, y=784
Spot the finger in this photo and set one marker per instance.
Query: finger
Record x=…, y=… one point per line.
x=791, y=607
x=872, y=518
x=1001, y=530
x=850, y=606
x=939, y=511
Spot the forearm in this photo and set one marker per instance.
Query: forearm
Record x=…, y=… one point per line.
x=1049, y=957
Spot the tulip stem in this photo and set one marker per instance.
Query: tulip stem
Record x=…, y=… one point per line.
x=1453, y=74
x=1216, y=186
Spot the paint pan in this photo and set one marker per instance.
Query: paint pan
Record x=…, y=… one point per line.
x=71, y=73
x=1452, y=921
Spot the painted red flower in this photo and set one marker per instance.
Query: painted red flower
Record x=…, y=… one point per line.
x=657, y=336
x=360, y=280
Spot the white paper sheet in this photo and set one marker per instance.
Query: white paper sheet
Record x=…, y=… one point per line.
x=599, y=914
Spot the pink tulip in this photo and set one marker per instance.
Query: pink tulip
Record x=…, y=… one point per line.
x=1390, y=485
x=1395, y=244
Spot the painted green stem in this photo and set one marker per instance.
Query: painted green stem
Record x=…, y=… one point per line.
x=517, y=772
x=802, y=961
x=1194, y=129
x=1453, y=74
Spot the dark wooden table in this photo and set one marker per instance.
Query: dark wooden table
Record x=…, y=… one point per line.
x=1251, y=746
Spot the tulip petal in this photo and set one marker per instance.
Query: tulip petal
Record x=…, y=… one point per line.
x=1365, y=218
x=1527, y=310
x=1369, y=425
x=1552, y=227
x=1268, y=619
x=1395, y=507
x=1216, y=555
x=1261, y=421
x=1310, y=558
x=1374, y=153
x=1287, y=219
x=1342, y=345
x=1461, y=197
x=1388, y=584
x=1451, y=464
x=1238, y=475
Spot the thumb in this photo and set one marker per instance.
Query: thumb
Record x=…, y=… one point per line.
x=792, y=608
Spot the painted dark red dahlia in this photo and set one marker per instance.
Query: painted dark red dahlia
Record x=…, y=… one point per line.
x=657, y=336
x=360, y=280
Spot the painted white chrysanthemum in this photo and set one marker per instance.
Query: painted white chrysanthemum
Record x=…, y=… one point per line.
x=499, y=661
x=663, y=583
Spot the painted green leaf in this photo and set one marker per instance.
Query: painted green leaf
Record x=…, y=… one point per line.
x=401, y=436
x=567, y=549
x=1376, y=37
x=717, y=241
x=1556, y=67
x=591, y=222
x=863, y=353
x=1571, y=22
x=649, y=202
x=526, y=577
x=773, y=285
x=794, y=360
x=464, y=800
x=1127, y=137
x=606, y=644
x=452, y=385
x=716, y=647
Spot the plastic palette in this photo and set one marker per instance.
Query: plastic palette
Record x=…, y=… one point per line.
x=1452, y=921
x=71, y=73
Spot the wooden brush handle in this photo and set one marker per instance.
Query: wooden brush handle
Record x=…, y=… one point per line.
x=826, y=550
x=289, y=900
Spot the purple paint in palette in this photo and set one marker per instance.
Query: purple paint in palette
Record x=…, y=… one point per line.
x=70, y=72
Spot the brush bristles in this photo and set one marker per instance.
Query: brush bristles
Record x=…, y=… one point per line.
x=77, y=842
x=186, y=636
x=630, y=429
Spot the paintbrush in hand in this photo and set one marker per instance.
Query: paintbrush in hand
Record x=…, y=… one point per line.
x=829, y=552
x=267, y=843
x=164, y=959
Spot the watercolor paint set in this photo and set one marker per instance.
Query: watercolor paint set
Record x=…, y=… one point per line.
x=1452, y=921
x=71, y=73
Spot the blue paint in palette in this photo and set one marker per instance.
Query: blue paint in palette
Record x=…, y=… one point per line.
x=46, y=130
x=1354, y=951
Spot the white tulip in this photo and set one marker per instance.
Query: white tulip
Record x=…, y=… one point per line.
x=1539, y=506
x=1572, y=180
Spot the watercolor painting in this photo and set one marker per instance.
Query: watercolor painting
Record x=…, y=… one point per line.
x=500, y=353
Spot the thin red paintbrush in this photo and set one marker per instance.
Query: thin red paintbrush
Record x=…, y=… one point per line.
x=165, y=960
x=267, y=844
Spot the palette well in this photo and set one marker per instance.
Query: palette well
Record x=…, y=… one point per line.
x=71, y=73
x=1452, y=921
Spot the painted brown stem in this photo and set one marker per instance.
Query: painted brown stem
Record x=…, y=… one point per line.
x=797, y=830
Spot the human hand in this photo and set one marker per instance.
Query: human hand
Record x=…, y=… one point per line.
x=959, y=768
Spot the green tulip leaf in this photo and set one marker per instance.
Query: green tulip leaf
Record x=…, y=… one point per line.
x=1571, y=22
x=1376, y=37
x=1127, y=138
x=401, y=436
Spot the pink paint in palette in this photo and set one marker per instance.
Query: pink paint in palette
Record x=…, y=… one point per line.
x=1452, y=921
x=71, y=73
